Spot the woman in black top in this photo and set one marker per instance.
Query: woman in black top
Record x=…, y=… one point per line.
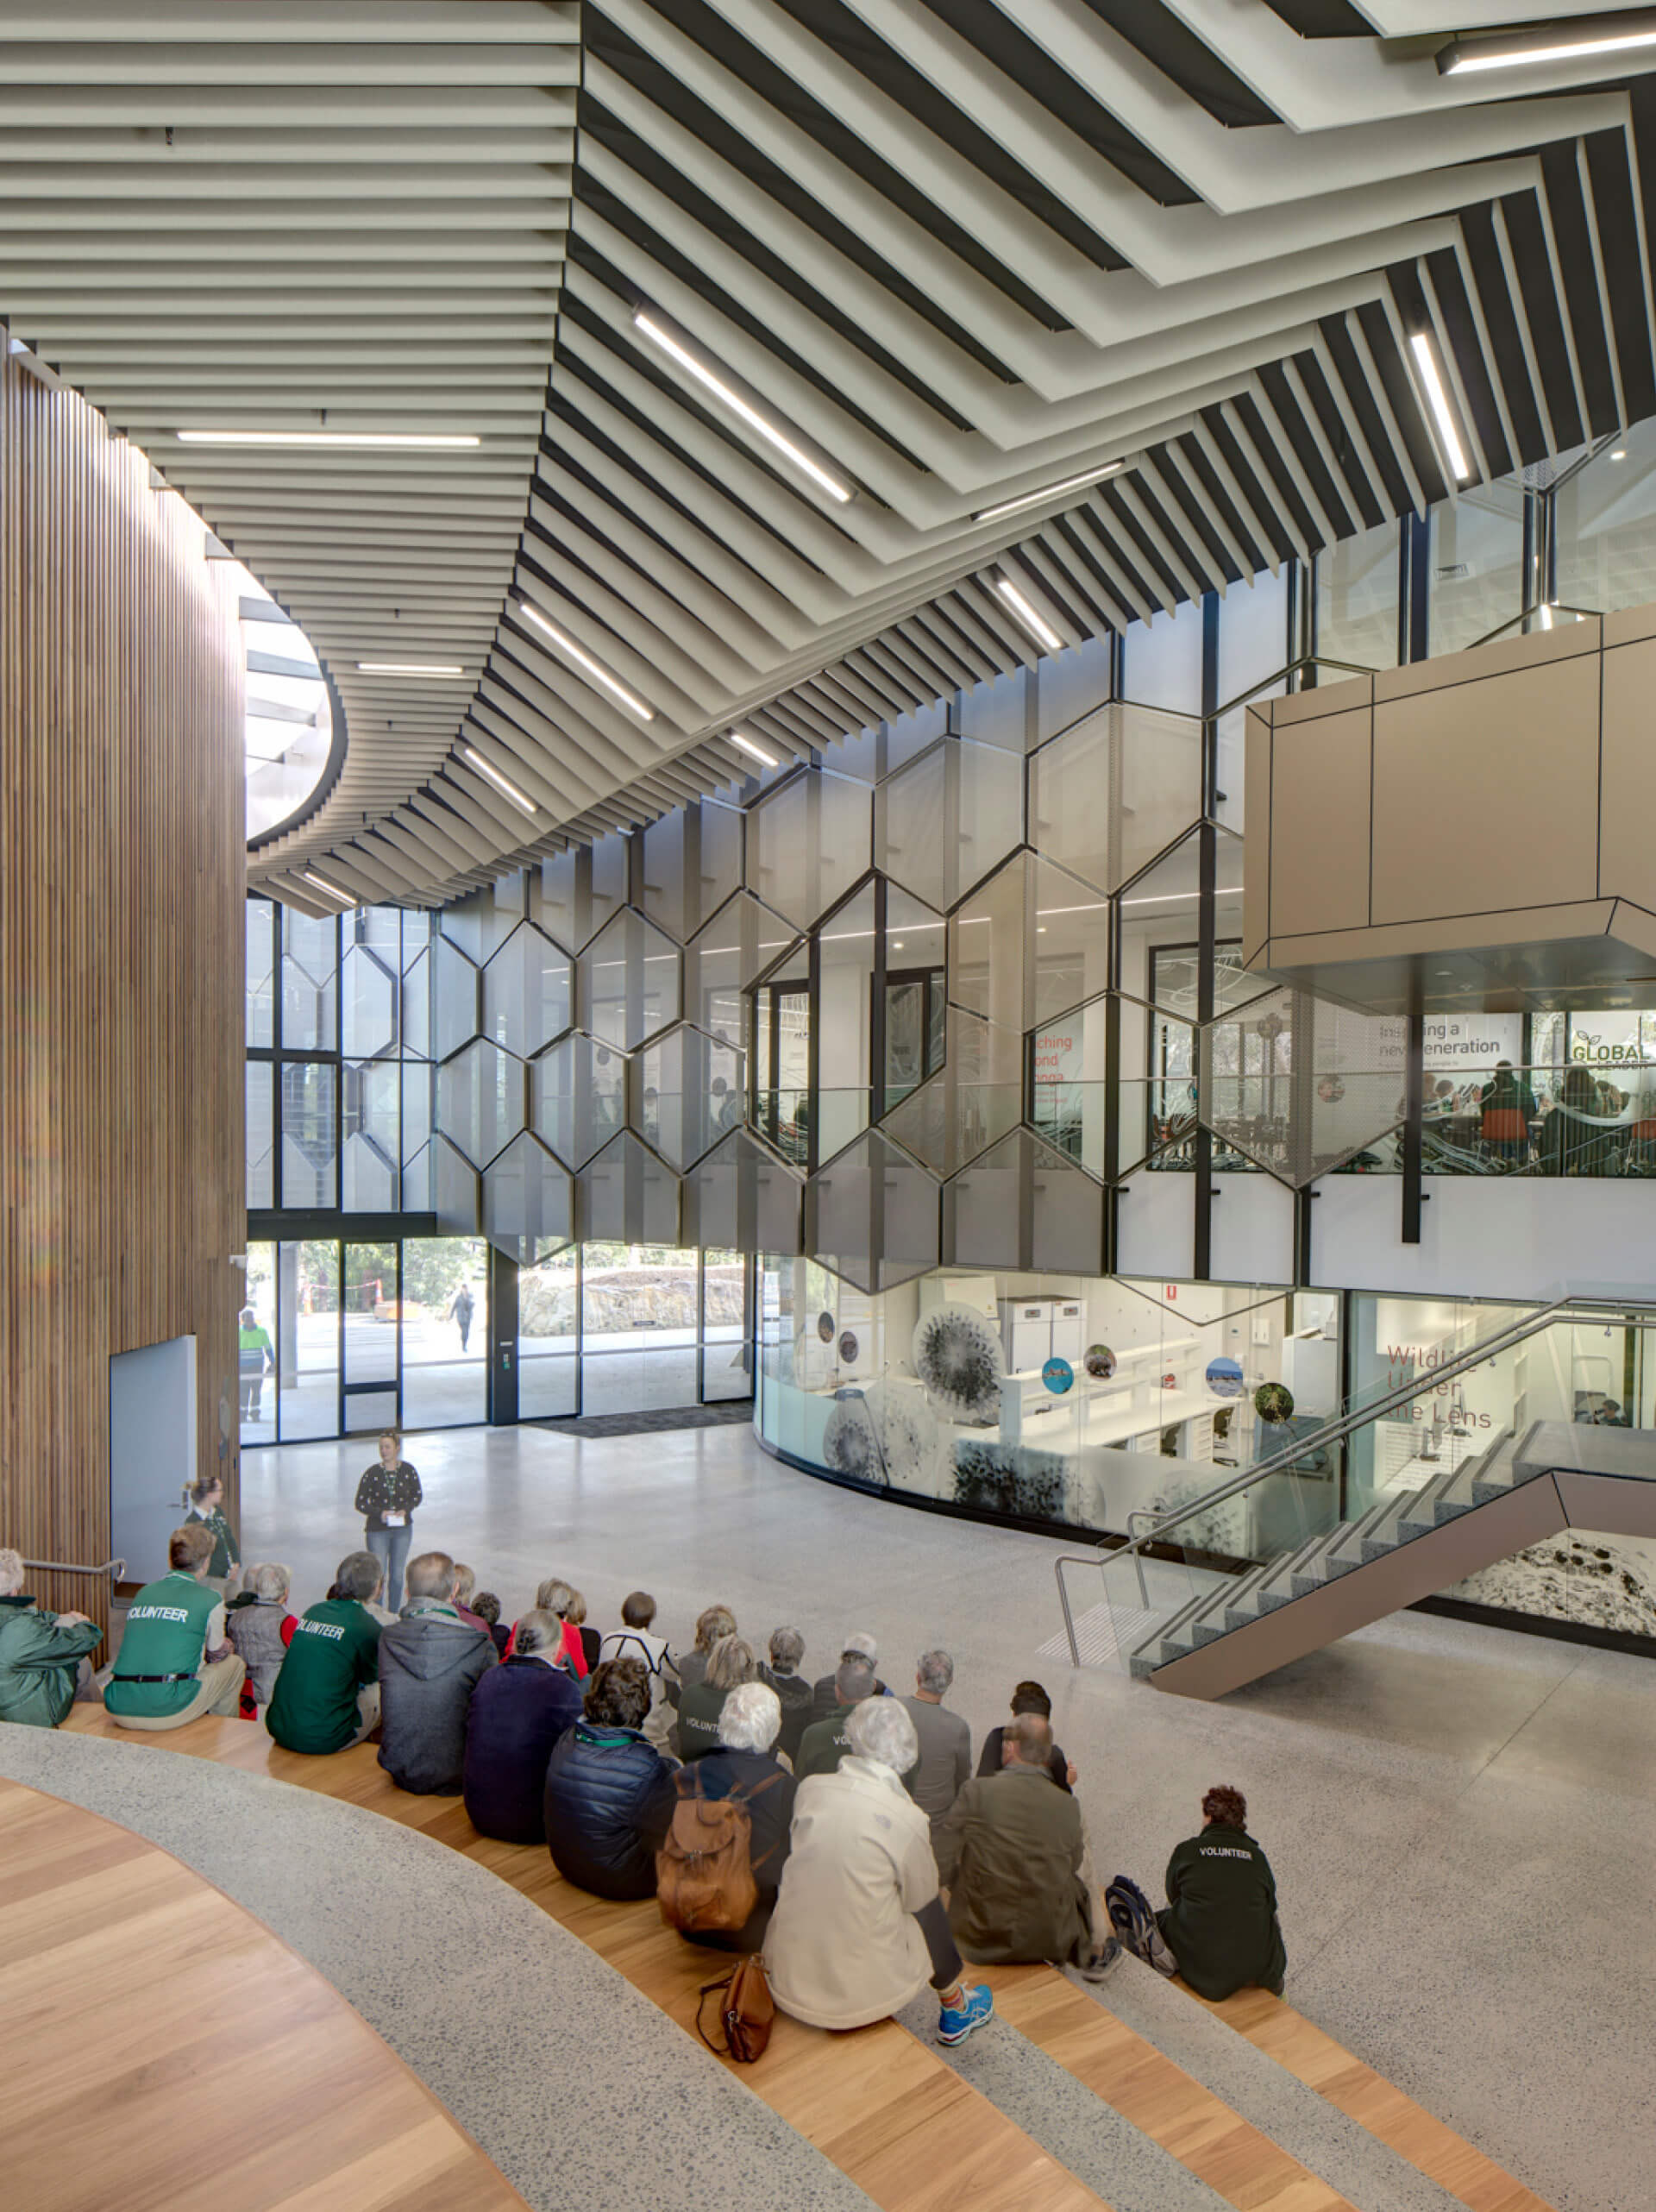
x=1220, y=1923
x=1028, y=1697
x=385, y=1497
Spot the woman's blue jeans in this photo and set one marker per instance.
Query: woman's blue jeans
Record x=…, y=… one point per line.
x=391, y=1546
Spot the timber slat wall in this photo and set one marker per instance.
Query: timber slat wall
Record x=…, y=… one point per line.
x=122, y=870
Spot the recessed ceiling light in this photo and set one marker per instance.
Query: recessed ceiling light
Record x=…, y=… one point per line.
x=1036, y=624
x=746, y=745
x=1620, y=453
x=1050, y=492
x=500, y=783
x=567, y=645
x=333, y=890
x=1425, y=361
x=1458, y=59
x=410, y=667
x=646, y=324
x=343, y=440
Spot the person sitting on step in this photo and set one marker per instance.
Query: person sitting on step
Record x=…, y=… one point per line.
x=327, y=1693
x=261, y=1628
x=556, y=1596
x=1028, y=1697
x=1220, y=1926
x=609, y=1793
x=175, y=1662
x=792, y=1690
x=859, y=1928
x=486, y=1606
x=826, y=1742
x=42, y=1655
x=1009, y=1853
x=518, y=1711
x=945, y=1765
x=465, y=1583
x=825, y=1696
x=430, y=1664
x=730, y=1662
x=689, y=1666
x=744, y=1763
x=591, y=1643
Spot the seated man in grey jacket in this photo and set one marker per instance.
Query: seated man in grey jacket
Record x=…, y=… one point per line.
x=431, y=1662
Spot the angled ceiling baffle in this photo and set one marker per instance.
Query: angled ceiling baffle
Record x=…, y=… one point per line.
x=589, y=380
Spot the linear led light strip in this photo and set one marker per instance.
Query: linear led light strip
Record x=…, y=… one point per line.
x=340, y=440
x=410, y=667
x=1458, y=59
x=743, y=743
x=1448, y=436
x=1048, y=492
x=310, y=876
x=1036, y=624
x=648, y=327
x=517, y=797
x=567, y=645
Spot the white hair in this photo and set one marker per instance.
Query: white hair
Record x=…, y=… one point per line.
x=11, y=1571
x=751, y=1719
x=864, y=1643
x=879, y=1729
x=271, y=1581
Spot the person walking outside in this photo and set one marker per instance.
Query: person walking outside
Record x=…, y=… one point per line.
x=461, y=1307
x=386, y=1498
x=255, y=1359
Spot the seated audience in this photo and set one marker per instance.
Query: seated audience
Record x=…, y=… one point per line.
x=465, y=1583
x=792, y=1691
x=41, y=1653
x=743, y=1764
x=261, y=1628
x=1009, y=1853
x=175, y=1662
x=1221, y=1924
x=486, y=1606
x=207, y=1506
x=826, y=1742
x=635, y=1639
x=591, y=1643
x=859, y=1928
x=554, y=1596
x=825, y=1696
x=730, y=1662
x=691, y=1666
x=518, y=1711
x=1028, y=1697
x=430, y=1663
x=609, y=1793
x=327, y=1692
x=945, y=1762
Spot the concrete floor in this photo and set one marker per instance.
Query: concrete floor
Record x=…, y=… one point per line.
x=1460, y=1820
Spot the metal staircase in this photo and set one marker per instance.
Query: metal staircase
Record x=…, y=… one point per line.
x=1200, y=1627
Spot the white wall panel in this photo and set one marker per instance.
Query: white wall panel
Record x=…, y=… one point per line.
x=1252, y=1229
x=1487, y=1236
x=1158, y=1219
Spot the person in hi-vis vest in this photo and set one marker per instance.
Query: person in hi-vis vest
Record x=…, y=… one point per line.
x=175, y=1662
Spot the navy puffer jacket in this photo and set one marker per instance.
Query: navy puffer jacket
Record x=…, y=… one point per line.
x=519, y=1713
x=609, y=1803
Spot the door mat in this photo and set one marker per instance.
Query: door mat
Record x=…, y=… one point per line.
x=640, y=1424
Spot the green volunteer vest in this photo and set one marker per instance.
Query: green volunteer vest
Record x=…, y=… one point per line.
x=166, y=1634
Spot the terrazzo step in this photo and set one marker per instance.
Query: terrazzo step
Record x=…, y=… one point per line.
x=1499, y=1475
x=1209, y=1623
x=1153, y=1651
x=1448, y=1494
x=1385, y=1534
x=1277, y=1589
x=1346, y=1556
x=1312, y=1571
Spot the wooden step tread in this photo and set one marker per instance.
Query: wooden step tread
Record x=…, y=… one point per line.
x=877, y=2102
x=1426, y=2143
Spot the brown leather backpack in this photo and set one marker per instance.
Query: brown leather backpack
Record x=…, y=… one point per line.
x=703, y=1869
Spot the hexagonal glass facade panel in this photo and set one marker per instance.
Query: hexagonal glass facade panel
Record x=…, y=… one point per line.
x=454, y=1188
x=976, y=1098
x=989, y=1221
x=1158, y=1088
x=988, y=954
x=742, y=1197
x=481, y=922
x=945, y=821
x=480, y=1100
x=1298, y=1085
x=1071, y=942
x=694, y=1092
x=526, y=992
x=368, y=1003
x=626, y=1196
x=527, y=1205
x=742, y=939
x=873, y=754
x=809, y=841
x=579, y=1097
x=454, y=999
x=873, y=1214
x=572, y=894
x=693, y=862
x=1109, y=794
x=629, y=982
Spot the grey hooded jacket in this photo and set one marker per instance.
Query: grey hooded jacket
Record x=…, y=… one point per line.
x=430, y=1663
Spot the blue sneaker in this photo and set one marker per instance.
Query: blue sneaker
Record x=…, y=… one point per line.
x=957, y=2022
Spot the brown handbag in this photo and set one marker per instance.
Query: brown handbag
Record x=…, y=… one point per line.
x=745, y=2013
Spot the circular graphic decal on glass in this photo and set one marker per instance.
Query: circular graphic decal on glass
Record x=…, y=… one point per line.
x=1274, y=1402
x=848, y=1349
x=956, y=1355
x=1058, y=1376
x=1099, y=1361
x=1330, y=1090
x=1225, y=1378
x=825, y=1326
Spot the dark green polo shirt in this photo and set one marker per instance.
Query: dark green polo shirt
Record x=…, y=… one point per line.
x=334, y=1653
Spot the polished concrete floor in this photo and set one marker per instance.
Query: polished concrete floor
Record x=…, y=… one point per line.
x=1462, y=1821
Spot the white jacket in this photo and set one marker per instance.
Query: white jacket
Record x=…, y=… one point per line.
x=842, y=1947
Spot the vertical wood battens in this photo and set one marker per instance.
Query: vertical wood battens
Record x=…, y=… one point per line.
x=123, y=878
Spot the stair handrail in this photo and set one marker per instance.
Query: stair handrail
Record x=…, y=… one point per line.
x=1333, y=1431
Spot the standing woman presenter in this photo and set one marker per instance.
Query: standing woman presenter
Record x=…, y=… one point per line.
x=385, y=1497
